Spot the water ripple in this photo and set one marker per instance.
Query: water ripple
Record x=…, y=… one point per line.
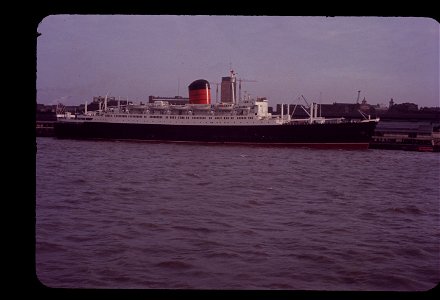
x=217, y=217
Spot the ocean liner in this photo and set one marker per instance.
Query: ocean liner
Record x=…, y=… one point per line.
x=231, y=121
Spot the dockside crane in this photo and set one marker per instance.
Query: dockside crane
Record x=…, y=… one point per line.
x=305, y=100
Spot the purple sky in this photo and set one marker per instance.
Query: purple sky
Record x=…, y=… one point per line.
x=325, y=59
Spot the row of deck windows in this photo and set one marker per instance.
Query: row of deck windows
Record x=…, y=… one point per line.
x=172, y=117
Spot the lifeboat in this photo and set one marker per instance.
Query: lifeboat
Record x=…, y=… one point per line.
x=201, y=106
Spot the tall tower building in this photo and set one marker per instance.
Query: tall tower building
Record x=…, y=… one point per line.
x=229, y=89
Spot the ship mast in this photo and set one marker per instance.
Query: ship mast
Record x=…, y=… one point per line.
x=233, y=86
x=105, y=102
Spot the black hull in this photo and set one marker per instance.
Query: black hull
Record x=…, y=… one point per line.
x=342, y=135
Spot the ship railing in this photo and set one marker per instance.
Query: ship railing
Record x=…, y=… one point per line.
x=333, y=120
x=371, y=120
x=319, y=120
x=299, y=121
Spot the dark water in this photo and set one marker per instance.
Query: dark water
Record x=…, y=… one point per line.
x=171, y=216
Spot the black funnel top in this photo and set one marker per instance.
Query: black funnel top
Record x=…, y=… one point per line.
x=199, y=84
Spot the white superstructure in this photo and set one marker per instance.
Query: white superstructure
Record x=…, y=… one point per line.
x=248, y=112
